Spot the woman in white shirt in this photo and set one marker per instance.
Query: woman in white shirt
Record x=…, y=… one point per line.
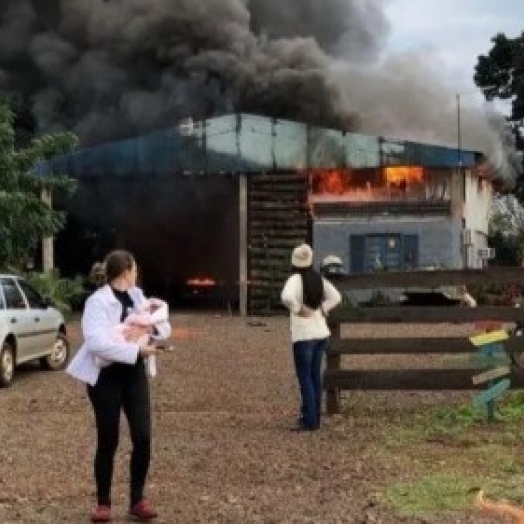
x=309, y=297
x=115, y=374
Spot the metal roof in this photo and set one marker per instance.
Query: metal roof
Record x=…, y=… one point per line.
x=242, y=143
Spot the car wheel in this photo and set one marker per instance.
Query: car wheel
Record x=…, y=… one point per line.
x=59, y=356
x=7, y=364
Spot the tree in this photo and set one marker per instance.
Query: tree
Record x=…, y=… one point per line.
x=25, y=218
x=500, y=74
x=506, y=231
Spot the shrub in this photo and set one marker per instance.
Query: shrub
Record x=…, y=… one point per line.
x=62, y=291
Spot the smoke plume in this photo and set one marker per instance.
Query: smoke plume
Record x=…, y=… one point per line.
x=119, y=67
x=112, y=68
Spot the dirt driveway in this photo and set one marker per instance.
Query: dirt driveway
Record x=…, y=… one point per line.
x=224, y=401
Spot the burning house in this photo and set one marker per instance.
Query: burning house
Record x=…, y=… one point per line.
x=213, y=208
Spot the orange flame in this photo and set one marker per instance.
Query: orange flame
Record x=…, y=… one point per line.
x=201, y=282
x=396, y=175
x=332, y=181
x=368, y=184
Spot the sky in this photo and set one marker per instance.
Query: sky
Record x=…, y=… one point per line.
x=455, y=31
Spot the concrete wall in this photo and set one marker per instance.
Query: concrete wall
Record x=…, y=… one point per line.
x=439, y=238
x=439, y=243
x=479, y=196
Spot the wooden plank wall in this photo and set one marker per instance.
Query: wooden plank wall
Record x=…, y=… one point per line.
x=278, y=220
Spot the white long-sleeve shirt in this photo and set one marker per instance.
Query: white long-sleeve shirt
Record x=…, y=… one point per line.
x=102, y=313
x=308, y=328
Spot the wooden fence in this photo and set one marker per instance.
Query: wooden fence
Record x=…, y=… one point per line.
x=447, y=378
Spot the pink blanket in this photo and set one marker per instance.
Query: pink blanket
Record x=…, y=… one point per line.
x=138, y=327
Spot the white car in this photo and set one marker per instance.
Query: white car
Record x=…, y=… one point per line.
x=30, y=329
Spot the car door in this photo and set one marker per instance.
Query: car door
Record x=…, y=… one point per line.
x=19, y=318
x=44, y=320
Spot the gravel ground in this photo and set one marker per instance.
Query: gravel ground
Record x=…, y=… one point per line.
x=224, y=401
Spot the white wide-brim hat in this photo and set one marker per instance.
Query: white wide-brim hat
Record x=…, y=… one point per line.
x=302, y=256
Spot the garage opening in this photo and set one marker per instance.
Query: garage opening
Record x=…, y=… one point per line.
x=183, y=230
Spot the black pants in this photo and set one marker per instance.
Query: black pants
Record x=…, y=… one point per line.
x=121, y=386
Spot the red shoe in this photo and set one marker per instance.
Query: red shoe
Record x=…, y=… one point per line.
x=143, y=511
x=101, y=514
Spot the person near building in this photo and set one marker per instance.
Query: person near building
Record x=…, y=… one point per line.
x=120, y=383
x=332, y=266
x=309, y=298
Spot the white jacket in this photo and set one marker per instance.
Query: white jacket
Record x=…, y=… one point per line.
x=102, y=313
x=314, y=327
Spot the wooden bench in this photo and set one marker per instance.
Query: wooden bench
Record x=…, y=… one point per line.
x=447, y=378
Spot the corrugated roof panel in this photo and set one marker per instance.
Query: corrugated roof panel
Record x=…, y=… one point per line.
x=249, y=143
x=362, y=150
x=256, y=141
x=288, y=145
x=326, y=148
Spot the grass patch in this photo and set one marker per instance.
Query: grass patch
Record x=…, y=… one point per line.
x=461, y=422
x=448, y=493
x=451, y=452
x=441, y=494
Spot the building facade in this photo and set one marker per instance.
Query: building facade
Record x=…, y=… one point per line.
x=224, y=200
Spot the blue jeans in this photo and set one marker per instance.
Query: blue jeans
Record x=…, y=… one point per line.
x=308, y=355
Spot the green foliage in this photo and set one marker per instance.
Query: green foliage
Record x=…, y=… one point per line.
x=26, y=218
x=494, y=294
x=507, y=248
x=62, y=291
x=511, y=407
x=506, y=231
x=500, y=74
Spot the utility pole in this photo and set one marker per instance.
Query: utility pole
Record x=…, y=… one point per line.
x=459, y=133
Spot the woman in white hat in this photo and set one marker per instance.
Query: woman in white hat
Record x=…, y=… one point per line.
x=309, y=297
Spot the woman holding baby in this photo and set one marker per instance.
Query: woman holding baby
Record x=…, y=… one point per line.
x=111, y=361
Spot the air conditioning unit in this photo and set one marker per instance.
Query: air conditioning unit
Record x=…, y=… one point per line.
x=486, y=253
x=467, y=237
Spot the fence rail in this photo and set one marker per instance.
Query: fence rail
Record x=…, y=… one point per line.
x=446, y=378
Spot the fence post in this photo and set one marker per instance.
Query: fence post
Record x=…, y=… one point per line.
x=333, y=363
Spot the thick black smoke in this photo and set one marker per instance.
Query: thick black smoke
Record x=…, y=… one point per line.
x=348, y=29
x=107, y=69
x=110, y=68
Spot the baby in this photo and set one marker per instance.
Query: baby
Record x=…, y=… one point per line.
x=138, y=327
x=139, y=324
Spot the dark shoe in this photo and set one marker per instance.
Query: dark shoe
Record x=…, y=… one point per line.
x=143, y=511
x=101, y=514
